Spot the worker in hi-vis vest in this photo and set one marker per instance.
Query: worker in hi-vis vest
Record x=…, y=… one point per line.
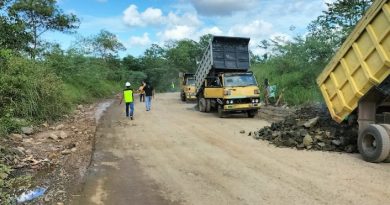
x=128, y=96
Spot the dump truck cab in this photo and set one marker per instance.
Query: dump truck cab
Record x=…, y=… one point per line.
x=187, y=86
x=223, y=82
x=232, y=92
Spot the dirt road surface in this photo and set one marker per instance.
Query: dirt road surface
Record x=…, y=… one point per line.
x=176, y=155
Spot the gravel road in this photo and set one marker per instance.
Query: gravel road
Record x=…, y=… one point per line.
x=176, y=155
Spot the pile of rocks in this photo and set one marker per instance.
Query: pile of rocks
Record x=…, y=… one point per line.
x=310, y=127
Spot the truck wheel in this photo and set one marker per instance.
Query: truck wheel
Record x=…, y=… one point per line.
x=183, y=97
x=374, y=143
x=202, y=105
x=252, y=113
x=387, y=128
x=221, y=113
x=208, y=105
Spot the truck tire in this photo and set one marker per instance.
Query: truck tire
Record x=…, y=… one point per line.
x=183, y=96
x=202, y=104
x=208, y=105
x=387, y=128
x=221, y=113
x=374, y=143
x=252, y=113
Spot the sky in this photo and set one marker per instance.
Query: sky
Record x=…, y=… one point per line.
x=140, y=23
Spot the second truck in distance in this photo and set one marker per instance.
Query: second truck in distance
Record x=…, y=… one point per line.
x=187, y=86
x=222, y=80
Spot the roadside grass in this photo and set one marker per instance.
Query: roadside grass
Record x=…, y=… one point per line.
x=299, y=86
x=33, y=91
x=36, y=91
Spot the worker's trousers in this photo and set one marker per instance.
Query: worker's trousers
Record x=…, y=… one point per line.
x=148, y=102
x=129, y=112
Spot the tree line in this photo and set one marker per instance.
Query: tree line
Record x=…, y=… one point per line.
x=293, y=65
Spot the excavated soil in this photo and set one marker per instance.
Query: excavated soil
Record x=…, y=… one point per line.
x=311, y=127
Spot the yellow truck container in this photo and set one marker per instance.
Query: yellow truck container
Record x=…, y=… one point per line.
x=358, y=78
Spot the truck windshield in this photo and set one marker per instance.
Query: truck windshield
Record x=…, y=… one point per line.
x=239, y=80
x=191, y=81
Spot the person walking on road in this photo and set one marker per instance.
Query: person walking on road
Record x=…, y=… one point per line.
x=142, y=92
x=149, y=93
x=128, y=97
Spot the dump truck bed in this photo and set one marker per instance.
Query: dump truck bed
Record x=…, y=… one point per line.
x=223, y=54
x=361, y=63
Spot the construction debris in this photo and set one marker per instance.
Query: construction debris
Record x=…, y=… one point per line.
x=27, y=130
x=310, y=127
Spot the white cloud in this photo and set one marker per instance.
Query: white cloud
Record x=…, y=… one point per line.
x=132, y=17
x=256, y=28
x=177, y=33
x=152, y=16
x=142, y=41
x=211, y=30
x=221, y=7
x=184, y=19
x=155, y=17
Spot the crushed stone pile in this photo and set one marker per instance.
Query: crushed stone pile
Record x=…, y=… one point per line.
x=311, y=127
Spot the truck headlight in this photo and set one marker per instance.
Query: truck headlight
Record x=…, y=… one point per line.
x=231, y=101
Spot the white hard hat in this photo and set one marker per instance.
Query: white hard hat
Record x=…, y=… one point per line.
x=127, y=84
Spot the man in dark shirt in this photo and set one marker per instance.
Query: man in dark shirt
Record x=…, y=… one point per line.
x=149, y=93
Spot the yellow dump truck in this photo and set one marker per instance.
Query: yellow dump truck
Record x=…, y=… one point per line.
x=222, y=79
x=187, y=86
x=357, y=81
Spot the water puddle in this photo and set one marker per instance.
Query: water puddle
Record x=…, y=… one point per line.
x=101, y=108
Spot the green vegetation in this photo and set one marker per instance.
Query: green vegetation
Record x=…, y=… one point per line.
x=41, y=82
x=294, y=64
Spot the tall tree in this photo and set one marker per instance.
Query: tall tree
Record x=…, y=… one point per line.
x=107, y=45
x=40, y=16
x=12, y=32
x=132, y=63
x=183, y=55
x=335, y=24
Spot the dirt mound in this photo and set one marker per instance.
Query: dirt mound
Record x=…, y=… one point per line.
x=274, y=114
x=311, y=127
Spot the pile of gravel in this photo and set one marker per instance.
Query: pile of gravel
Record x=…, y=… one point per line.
x=311, y=127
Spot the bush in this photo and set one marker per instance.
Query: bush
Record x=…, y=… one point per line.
x=299, y=85
x=28, y=91
x=33, y=91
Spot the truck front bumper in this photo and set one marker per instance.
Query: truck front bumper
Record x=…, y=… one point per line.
x=190, y=96
x=241, y=107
